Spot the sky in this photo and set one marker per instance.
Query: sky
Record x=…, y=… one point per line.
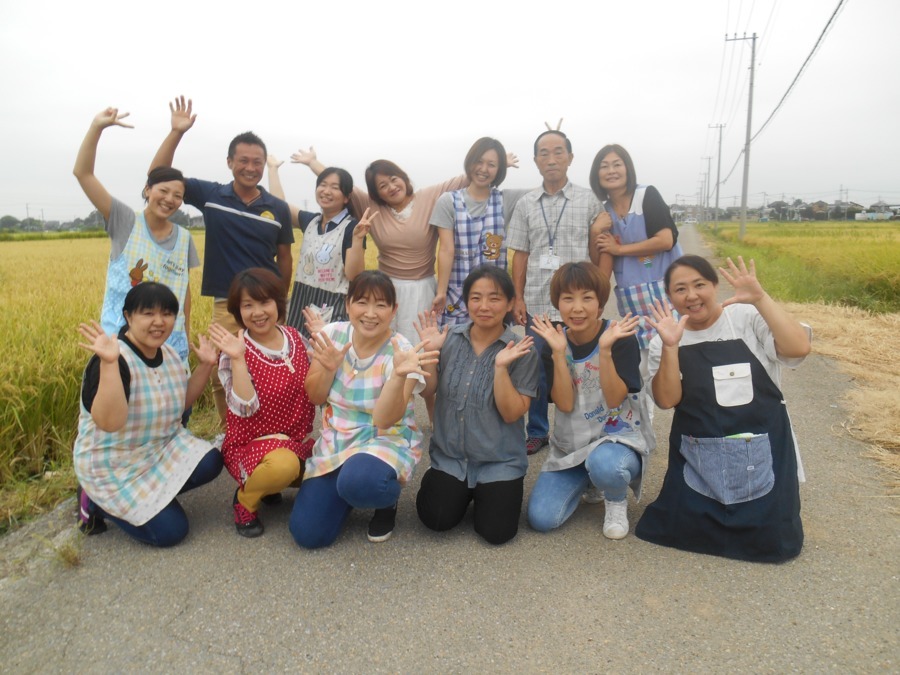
x=416, y=84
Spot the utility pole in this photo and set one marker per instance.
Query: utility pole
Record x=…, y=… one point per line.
x=701, y=190
x=708, y=184
x=718, y=174
x=752, y=39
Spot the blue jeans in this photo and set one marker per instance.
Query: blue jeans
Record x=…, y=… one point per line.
x=324, y=502
x=170, y=526
x=538, y=424
x=609, y=467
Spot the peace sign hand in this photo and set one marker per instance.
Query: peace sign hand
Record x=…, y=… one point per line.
x=365, y=224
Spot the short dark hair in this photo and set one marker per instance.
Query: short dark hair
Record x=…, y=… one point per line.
x=162, y=174
x=594, y=178
x=481, y=146
x=261, y=285
x=384, y=167
x=547, y=133
x=150, y=295
x=375, y=283
x=580, y=276
x=345, y=180
x=498, y=275
x=695, y=262
x=249, y=138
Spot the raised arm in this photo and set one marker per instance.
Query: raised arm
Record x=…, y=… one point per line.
x=397, y=391
x=87, y=155
x=791, y=338
x=433, y=338
x=325, y=360
x=510, y=402
x=182, y=119
x=110, y=407
x=355, y=260
x=563, y=390
x=614, y=388
x=666, y=385
x=308, y=157
x=277, y=189
x=206, y=357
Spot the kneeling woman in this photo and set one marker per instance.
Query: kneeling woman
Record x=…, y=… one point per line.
x=732, y=486
x=132, y=455
x=262, y=370
x=599, y=438
x=485, y=379
x=365, y=376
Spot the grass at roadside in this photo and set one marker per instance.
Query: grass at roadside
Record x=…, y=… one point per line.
x=843, y=263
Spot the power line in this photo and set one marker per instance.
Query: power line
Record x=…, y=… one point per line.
x=805, y=63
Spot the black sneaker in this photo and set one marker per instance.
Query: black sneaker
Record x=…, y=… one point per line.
x=381, y=527
x=273, y=499
x=89, y=521
x=246, y=522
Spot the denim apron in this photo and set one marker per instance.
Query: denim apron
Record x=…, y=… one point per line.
x=731, y=488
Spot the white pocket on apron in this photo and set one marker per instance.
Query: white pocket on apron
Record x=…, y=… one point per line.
x=734, y=384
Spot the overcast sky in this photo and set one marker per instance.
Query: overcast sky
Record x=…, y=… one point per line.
x=403, y=81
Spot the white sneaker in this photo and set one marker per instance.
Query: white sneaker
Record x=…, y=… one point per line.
x=615, y=522
x=593, y=495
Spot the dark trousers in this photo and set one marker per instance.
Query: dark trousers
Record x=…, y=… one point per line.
x=442, y=502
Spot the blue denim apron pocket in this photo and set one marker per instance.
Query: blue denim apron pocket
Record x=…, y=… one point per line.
x=729, y=470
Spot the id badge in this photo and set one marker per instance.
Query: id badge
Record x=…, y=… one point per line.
x=549, y=261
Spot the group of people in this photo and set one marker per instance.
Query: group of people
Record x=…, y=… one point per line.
x=436, y=319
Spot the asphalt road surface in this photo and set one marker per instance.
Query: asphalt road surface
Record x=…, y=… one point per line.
x=569, y=601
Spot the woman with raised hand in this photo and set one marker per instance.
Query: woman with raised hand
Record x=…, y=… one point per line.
x=333, y=249
x=732, y=485
x=600, y=436
x=364, y=375
x=485, y=380
x=132, y=455
x=404, y=236
x=263, y=370
x=145, y=245
x=471, y=224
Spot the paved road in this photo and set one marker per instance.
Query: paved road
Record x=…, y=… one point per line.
x=570, y=601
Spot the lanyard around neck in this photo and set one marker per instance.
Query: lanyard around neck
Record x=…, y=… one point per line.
x=552, y=235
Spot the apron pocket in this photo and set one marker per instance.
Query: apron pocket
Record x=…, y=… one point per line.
x=734, y=384
x=729, y=470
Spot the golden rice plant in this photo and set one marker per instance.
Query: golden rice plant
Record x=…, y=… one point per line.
x=849, y=263
x=47, y=287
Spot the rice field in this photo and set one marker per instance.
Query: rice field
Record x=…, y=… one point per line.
x=47, y=287
x=846, y=263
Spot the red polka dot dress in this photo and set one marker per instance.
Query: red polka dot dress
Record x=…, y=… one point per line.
x=279, y=416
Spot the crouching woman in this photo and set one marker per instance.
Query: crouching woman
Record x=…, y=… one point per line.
x=485, y=380
x=132, y=456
